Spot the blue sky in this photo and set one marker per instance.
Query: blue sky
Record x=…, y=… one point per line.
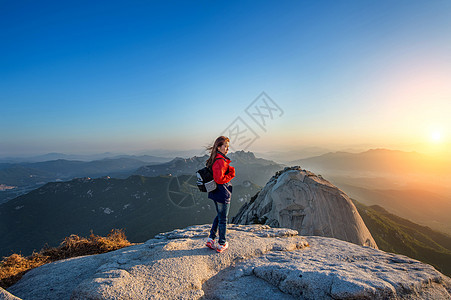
x=125, y=76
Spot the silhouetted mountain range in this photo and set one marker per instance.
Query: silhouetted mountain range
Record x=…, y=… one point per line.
x=167, y=197
x=32, y=173
x=376, y=160
x=249, y=168
x=56, y=200
x=143, y=206
x=28, y=176
x=85, y=158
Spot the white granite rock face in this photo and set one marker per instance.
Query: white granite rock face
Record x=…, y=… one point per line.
x=4, y=295
x=261, y=263
x=300, y=200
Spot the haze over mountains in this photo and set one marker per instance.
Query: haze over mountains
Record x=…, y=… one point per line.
x=24, y=177
x=412, y=185
x=378, y=161
x=57, y=209
x=251, y=168
x=144, y=206
x=149, y=156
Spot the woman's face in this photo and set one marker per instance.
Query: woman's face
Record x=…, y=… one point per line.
x=224, y=148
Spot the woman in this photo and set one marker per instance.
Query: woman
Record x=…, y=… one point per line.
x=222, y=174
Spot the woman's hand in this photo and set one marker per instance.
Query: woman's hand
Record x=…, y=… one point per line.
x=231, y=171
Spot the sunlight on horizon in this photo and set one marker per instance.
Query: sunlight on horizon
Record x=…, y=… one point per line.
x=436, y=136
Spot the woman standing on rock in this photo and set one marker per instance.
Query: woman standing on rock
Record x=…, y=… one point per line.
x=222, y=174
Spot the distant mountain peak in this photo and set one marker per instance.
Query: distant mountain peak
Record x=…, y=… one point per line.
x=244, y=154
x=300, y=200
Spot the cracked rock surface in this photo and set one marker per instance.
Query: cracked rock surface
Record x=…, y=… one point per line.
x=261, y=263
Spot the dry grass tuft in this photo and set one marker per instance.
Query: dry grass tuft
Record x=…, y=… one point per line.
x=13, y=267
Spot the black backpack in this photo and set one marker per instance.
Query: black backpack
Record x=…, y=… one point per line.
x=205, y=181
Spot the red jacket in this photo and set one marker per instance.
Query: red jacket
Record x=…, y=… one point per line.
x=222, y=172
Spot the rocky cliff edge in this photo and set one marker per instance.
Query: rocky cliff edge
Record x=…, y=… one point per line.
x=261, y=263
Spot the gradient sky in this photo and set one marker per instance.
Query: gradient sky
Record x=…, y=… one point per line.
x=126, y=76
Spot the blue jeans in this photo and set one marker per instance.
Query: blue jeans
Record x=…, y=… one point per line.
x=220, y=221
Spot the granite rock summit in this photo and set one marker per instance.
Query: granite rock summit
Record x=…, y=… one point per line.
x=298, y=199
x=261, y=263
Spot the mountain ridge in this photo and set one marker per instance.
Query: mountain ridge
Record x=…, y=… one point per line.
x=251, y=168
x=376, y=160
x=143, y=206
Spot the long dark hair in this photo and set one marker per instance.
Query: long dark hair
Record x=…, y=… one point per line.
x=214, y=149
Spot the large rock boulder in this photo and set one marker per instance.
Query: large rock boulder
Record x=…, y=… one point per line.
x=261, y=263
x=298, y=199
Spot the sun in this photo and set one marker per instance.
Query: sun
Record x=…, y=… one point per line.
x=436, y=136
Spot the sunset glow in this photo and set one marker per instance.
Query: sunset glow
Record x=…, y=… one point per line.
x=170, y=75
x=436, y=136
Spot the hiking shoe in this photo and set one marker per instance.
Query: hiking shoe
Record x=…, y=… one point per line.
x=221, y=248
x=211, y=243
